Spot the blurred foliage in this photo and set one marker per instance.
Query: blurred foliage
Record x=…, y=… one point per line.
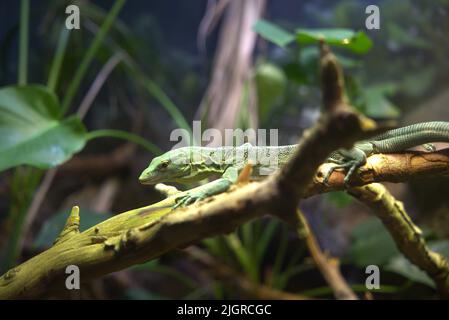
x=339, y=198
x=249, y=250
x=371, y=244
x=52, y=226
x=271, y=83
x=401, y=265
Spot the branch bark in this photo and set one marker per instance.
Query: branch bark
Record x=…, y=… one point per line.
x=399, y=167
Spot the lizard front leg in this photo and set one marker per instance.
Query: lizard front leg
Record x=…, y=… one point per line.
x=209, y=189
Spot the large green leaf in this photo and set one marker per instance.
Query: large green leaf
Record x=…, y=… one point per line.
x=357, y=42
x=31, y=131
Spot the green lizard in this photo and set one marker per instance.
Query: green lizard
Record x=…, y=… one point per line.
x=193, y=164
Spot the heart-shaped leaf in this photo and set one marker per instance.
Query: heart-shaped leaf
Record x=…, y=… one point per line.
x=31, y=130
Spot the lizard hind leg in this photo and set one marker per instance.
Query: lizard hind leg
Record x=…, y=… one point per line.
x=351, y=159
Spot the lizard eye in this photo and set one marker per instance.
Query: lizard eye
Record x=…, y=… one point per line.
x=163, y=164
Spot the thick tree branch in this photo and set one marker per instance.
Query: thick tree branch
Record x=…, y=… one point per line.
x=399, y=167
x=406, y=234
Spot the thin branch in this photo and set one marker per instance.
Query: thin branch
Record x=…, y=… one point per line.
x=329, y=268
x=407, y=236
x=36, y=203
x=210, y=19
x=98, y=83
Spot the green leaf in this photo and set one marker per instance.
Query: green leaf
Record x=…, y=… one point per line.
x=271, y=84
x=54, y=225
x=31, y=130
x=370, y=244
x=273, y=33
x=357, y=42
x=376, y=103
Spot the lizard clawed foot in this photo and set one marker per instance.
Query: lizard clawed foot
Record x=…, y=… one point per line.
x=189, y=198
x=332, y=169
x=328, y=174
x=352, y=165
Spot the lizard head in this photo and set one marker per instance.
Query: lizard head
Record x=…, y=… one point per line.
x=172, y=166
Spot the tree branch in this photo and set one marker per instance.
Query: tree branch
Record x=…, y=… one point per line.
x=399, y=167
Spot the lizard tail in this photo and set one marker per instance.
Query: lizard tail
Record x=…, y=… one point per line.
x=410, y=136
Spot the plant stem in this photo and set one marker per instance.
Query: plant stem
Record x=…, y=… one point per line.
x=57, y=60
x=23, y=41
x=88, y=57
x=24, y=182
x=111, y=133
